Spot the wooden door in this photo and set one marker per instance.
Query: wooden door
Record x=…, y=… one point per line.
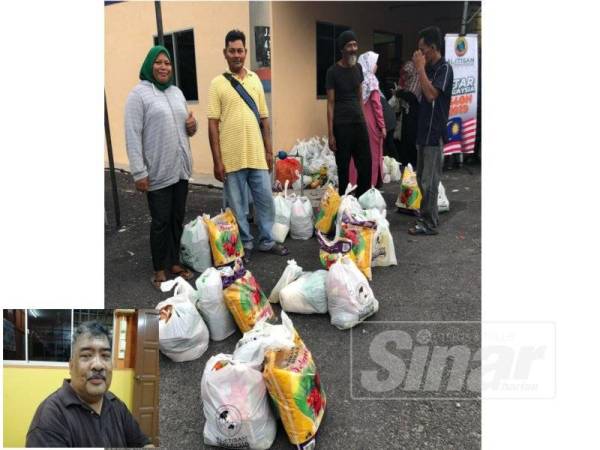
x=147, y=376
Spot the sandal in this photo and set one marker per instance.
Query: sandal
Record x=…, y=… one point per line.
x=420, y=229
x=183, y=273
x=278, y=249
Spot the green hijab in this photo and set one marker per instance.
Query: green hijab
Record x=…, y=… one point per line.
x=146, y=72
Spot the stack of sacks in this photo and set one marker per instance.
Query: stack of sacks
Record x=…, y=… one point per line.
x=210, y=303
x=195, y=248
x=236, y=406
x=306, y=295
x=330, y=203
x=244, y=297
x=318, y=160
x=291, y=272
x=283, y=215
x=349, y=296
x=409, y=198
x=383, y=252
x=301, y=223
x=182, y=334
x=224, y=236
x=290, y=375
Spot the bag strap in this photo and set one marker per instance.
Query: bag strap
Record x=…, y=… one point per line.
x=237, y=86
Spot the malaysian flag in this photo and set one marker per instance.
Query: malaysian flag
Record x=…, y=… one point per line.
x=461, y=136
x=469, y=132
x=454, y=144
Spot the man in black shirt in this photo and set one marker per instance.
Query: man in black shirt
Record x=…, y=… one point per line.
x=436, y=78
x=83, y=413
x=348, y=135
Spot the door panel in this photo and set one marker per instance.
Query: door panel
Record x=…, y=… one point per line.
x=147, y=375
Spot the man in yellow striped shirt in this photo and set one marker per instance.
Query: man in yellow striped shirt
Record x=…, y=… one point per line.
x=240, y=142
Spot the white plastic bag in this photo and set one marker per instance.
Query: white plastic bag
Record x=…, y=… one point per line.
x=392, y=168
x=349, y=297
x=291, y=272
x=443, y=202
x=182, y=334
x=194, y=249
x=264, y=336
x=302, y=219
x=236, y=405
x=383, y=252
x=349, y=204
x=210, y=303
x=372, y=199
x=306, y=295
x=283, y=215
x=182, y=289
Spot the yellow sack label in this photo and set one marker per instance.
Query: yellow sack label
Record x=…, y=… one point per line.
x=294, y=385
x=330, y=203
x=410, y=194
x=361, y=234
x=245, y=300
x=224, y=237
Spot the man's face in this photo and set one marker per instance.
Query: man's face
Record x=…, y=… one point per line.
x=235, y=54
x=161, y=69
x=90, y=367
x=427, y=50
x=350, y=51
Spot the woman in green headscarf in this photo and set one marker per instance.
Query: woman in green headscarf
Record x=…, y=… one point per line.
x=157, y=126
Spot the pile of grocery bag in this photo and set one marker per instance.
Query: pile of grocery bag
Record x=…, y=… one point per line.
x=271, y=374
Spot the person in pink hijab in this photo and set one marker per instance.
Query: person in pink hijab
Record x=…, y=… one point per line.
x=373, y=112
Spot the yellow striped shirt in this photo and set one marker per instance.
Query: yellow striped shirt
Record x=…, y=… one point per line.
x=239, y=133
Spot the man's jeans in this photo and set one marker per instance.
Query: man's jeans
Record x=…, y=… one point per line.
x=259, y=183
x=429, y=173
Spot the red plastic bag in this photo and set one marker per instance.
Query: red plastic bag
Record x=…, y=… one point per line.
x=285, y=169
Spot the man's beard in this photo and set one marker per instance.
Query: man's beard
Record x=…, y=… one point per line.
x=352, y=60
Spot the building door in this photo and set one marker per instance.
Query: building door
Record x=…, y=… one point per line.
x=147, y=376
x=389, y=48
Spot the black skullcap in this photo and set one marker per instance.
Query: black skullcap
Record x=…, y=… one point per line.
x=345, y=37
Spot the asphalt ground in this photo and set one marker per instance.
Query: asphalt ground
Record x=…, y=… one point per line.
x=436, y=283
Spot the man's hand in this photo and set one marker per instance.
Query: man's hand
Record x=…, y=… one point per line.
x=142, y=185
x=332, y=143
x=269, y=158
x=190, y=124
x=418, y=60
x=219, y=172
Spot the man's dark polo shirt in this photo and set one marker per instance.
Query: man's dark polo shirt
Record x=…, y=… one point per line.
x=63, y=420
x=433, y=116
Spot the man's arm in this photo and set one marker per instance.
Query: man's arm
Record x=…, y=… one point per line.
x=215, y=148
x=266, y=135
x=330, y=111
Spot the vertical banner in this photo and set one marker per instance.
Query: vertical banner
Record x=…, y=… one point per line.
x=262, y=39
x=462, y=54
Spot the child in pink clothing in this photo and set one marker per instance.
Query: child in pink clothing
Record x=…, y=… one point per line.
x=373, y=111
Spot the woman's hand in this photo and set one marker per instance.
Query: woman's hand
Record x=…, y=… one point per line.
x=190, y=124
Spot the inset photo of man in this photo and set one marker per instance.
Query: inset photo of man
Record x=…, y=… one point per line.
x=80, y=378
